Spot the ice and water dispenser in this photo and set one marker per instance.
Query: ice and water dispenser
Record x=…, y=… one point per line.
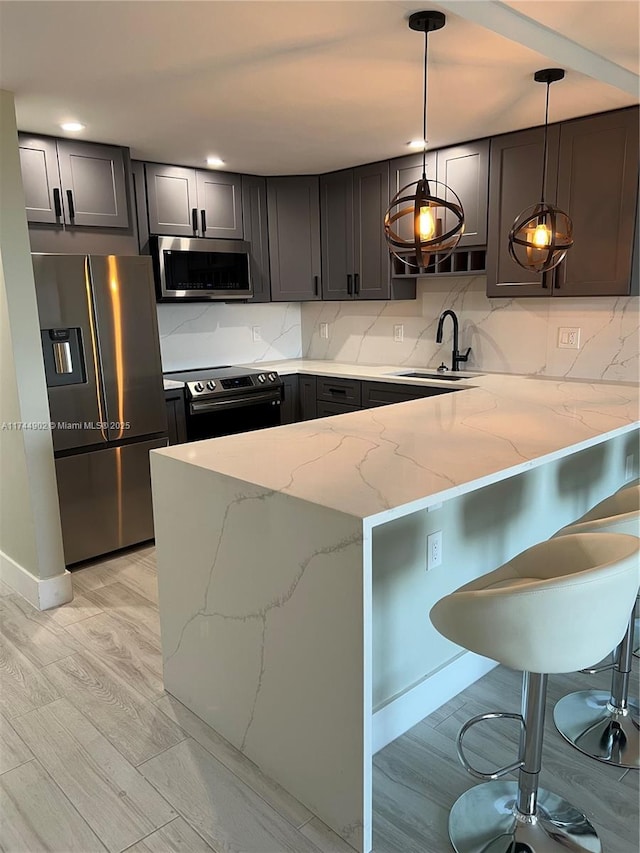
x=63, y=356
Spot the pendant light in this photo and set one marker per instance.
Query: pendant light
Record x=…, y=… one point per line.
x=542, y=234
x=427, y=211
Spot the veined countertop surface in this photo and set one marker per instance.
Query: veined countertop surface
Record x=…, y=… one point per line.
x=391, y=460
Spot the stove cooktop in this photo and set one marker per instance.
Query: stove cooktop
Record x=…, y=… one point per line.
x=224, y=379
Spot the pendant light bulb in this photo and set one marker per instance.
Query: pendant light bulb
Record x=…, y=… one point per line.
x=427, y=225
x=542, y=234
x=425, y=221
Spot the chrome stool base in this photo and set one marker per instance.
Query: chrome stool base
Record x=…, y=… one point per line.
x=592, y=725
x=484, y=820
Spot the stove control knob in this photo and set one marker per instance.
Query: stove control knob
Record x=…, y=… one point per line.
x=261, y=378
x=198, y=387
x=211, y=385
x=273, y=377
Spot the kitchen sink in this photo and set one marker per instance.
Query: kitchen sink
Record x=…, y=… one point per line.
x=446, y=376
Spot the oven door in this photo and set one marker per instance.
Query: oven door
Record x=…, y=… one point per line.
x=216, y=417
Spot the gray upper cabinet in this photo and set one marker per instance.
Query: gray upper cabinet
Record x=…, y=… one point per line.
x=71, y=183
x=355, y=257
x=294, y=238
x=193, y=202
x=256, y=232
x=597, y=186
x=465, y=169
x=515, y=177
x=593, y=175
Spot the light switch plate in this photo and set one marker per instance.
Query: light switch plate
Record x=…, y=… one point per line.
x=256, y=332
x=398, y=333
x=324, y=331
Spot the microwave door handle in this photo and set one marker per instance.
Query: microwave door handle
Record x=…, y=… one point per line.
x=194, y=219
x=203, y=216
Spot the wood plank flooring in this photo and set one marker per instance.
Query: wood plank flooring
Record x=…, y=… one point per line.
x=95, y=756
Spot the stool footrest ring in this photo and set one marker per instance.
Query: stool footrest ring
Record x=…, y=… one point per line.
x=495, y=774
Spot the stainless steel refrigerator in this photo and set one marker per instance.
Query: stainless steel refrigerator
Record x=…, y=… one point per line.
x=101, y=353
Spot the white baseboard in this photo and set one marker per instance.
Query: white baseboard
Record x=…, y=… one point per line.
x=43, y=593
x=400, y=714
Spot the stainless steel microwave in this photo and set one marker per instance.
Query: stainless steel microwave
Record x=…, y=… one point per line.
x=200, y=269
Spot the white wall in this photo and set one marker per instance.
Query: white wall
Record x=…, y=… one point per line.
x=506, y=335
x=209, y=335
x=31, y=556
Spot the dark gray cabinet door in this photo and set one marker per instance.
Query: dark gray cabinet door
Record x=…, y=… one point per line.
x=290, y=406
x=308, y=403
x=94, y=184
x=515, y=177
x=336, y=227
x=176, y=417
x=40, y=178
x=256, y=232
x=597, y=186
x=294, y=238
x=465, y=169
x=172, y=200
x=219, y=204
x=371, y=253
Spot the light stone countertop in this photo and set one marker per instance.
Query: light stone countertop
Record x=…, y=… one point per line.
x=388, y=461
x=172, y=384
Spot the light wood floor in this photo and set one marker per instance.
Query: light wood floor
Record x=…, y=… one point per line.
x=95, y=756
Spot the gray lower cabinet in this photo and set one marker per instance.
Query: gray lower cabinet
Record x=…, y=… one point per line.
x=355, y=256
x=327, y=410
x=186, y=202
x=308, y=403
x=294, y=238
x=334, y=390
x=290, y=407
x=386, y=393
x=176, y=416
x=256, y=232
x=70, y=183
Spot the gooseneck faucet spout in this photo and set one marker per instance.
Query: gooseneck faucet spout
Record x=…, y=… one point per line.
x=456, y=357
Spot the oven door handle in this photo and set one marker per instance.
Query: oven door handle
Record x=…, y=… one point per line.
x=200, y=406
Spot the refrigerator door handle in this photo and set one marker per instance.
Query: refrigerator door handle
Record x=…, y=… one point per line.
x=62, y=357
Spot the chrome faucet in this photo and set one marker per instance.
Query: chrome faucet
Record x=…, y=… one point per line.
x=456, y=357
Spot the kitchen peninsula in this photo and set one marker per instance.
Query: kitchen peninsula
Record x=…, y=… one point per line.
x=291, y=562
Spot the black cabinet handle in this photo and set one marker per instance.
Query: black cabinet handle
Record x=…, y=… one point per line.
x=356, y=283
x=349, y=286
x=72, y=210
x=194, y=219
x=203, y=217
x=337, y=390
x=316, y=282
x=57, y=203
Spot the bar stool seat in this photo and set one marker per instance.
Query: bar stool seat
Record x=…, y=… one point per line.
x=535, y=614
x=606, y=725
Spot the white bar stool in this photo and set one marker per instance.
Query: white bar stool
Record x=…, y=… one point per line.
x=606, y=725
x=517, y=615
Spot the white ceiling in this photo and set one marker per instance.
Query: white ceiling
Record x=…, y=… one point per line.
x=305, y=87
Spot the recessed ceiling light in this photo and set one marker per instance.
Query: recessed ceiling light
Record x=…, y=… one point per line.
x=416, y=143
x=214, y=161
x=72, y=126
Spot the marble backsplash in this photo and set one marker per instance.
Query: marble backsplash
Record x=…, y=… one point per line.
x=207, y=335
x=505, y=335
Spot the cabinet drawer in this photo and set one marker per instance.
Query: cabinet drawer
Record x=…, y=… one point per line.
x=325, y=410
x=338, y=390
x=386, y=393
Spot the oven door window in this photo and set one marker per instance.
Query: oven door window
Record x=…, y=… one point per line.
x=233, y=420
x=206, y=271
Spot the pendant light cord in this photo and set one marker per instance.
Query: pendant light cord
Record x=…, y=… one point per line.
x=424, y=111
x=544, y=154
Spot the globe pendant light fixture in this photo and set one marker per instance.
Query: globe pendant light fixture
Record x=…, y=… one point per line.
x=542, y=234
x=426, y=216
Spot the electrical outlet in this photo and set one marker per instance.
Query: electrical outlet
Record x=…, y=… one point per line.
x=398, y=333
x=628, y=467
x=434, y=549
x=324, y=331
x=256, y=332
x=568, y=337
